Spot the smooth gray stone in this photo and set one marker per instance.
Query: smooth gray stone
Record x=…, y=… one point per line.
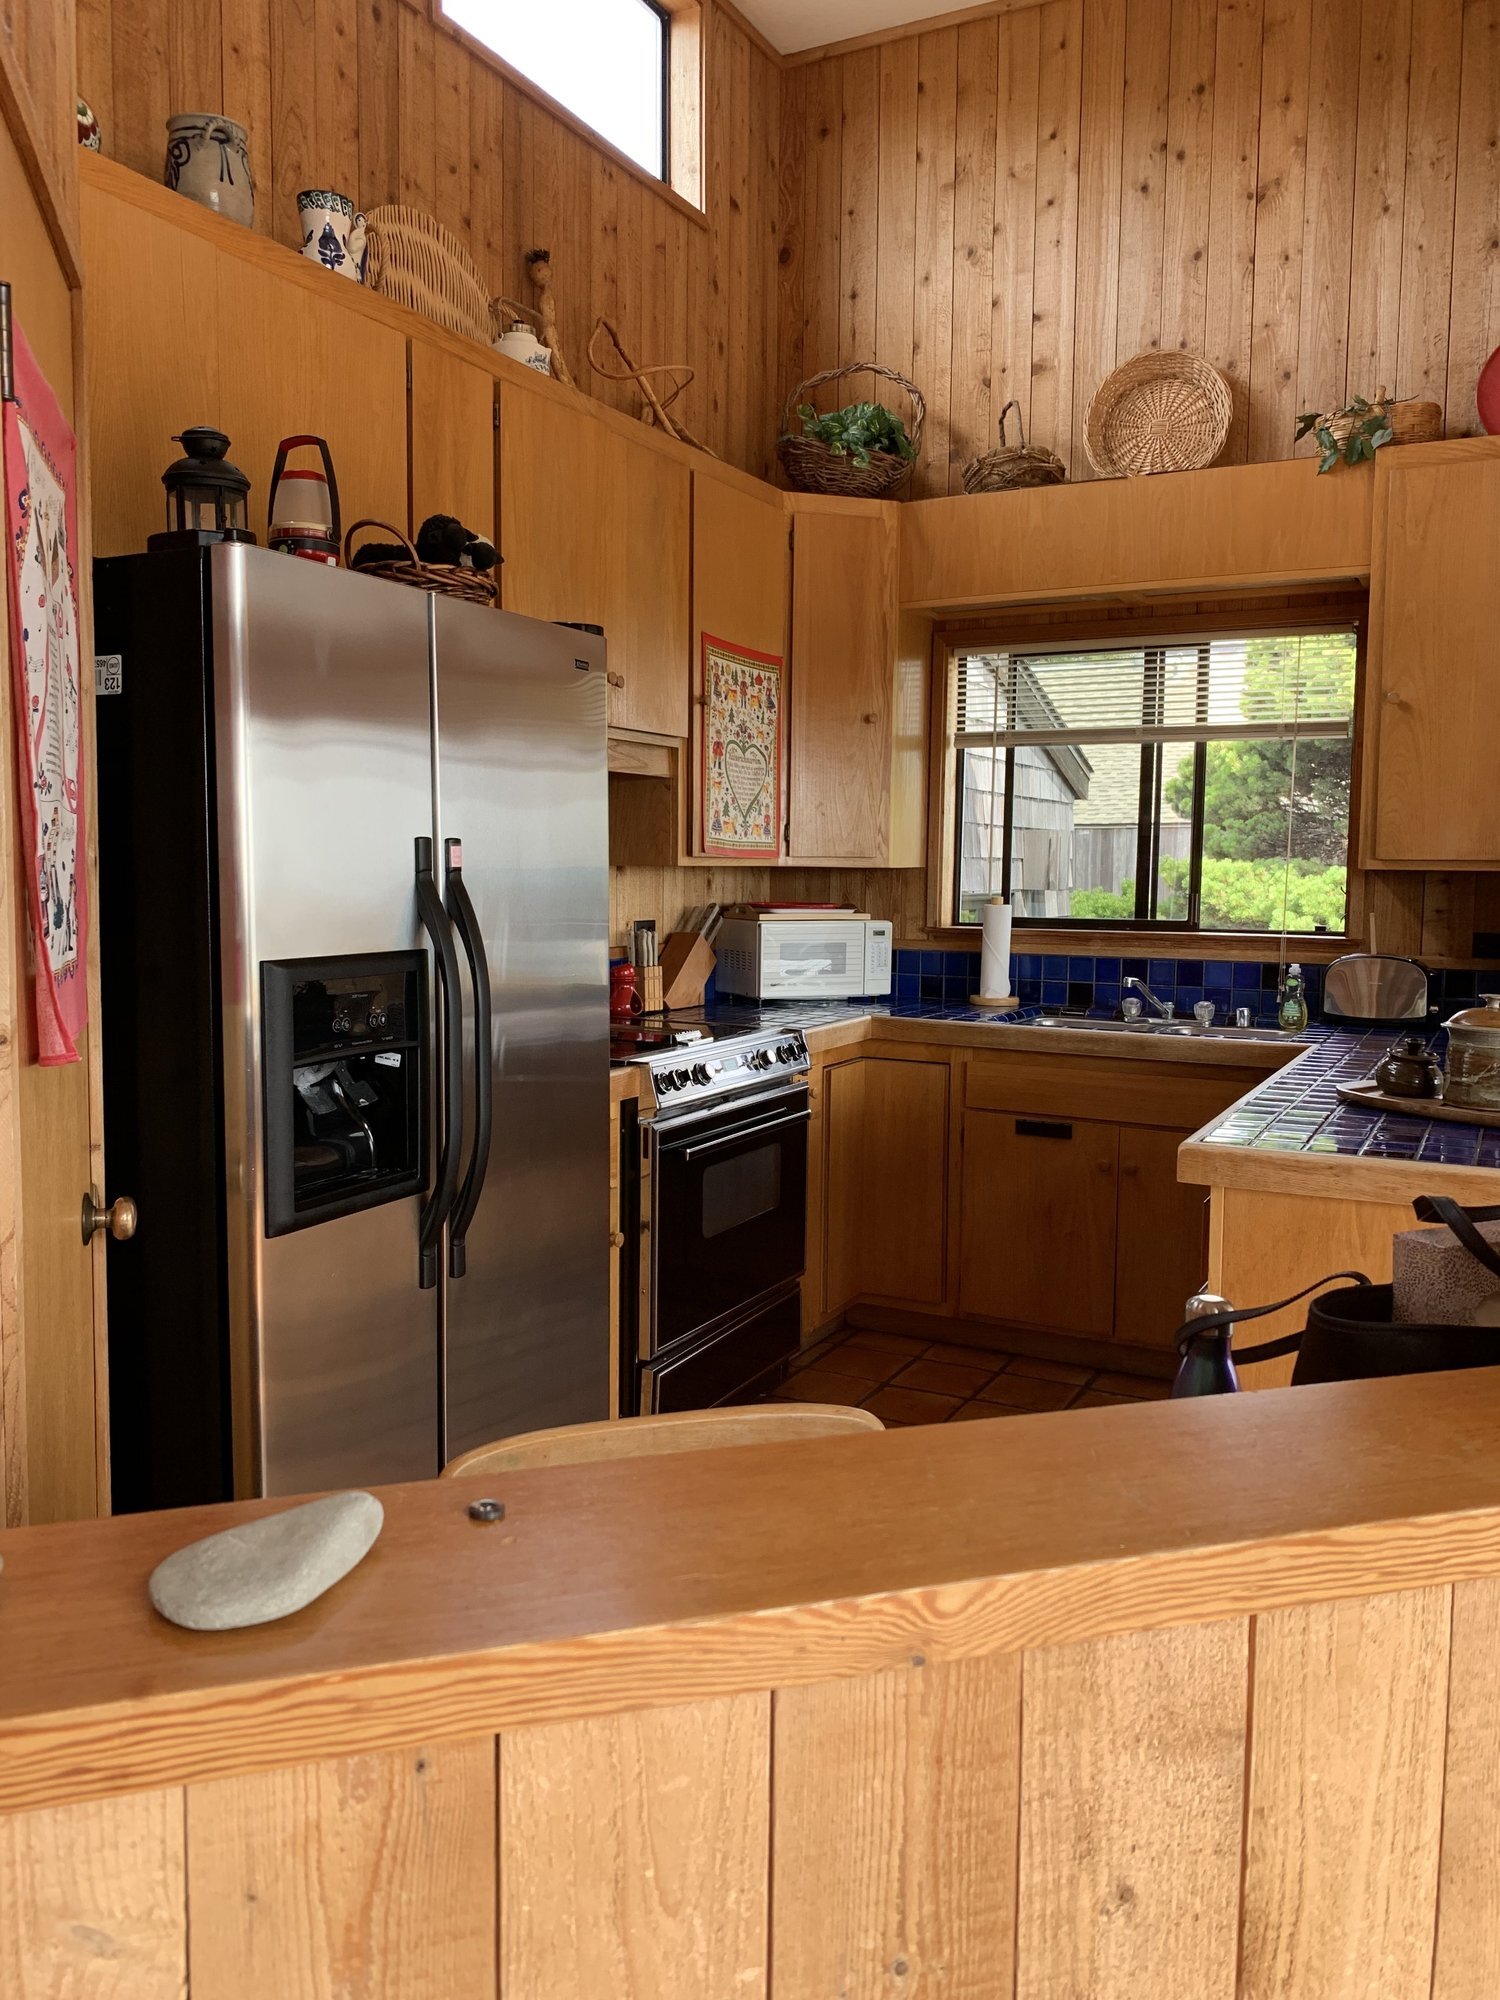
x=267, y=1569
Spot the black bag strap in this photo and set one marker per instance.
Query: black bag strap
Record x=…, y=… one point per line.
x=1268, y=1350
x=1443, y=1208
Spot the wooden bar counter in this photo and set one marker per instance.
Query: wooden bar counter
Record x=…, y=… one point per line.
x=1162, y=1703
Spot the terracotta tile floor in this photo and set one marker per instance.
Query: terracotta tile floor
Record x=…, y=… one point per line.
x=907, y=1380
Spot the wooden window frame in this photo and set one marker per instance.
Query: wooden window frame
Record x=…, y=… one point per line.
x=686, y=88
x=1154, y=941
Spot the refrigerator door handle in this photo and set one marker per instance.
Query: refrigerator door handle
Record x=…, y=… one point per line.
x=445, y=1186
x=466, y=923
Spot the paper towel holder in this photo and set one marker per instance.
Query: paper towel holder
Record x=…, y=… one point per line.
x=995, y=1003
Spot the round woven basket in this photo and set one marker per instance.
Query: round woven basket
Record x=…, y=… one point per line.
x=812, y=468
x=440, y=579
x=1013, y=465
x=1160, y=412
x=416, y=262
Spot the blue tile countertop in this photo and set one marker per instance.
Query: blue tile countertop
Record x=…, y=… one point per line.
x=1298, y=1110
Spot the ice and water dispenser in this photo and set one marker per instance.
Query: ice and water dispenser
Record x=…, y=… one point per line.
x=344, y=1067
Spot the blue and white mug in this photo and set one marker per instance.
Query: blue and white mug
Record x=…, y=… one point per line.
x=333, y=232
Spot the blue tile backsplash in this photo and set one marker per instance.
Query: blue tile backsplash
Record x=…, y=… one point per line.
x=1092, y=985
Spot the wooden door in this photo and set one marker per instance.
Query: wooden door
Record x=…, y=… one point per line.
x=742, y=578
x=649, y=664
x=1161, y=1247
x=595, y=529
x=1038, y=1230
x=1432, y=720
x=53, y=1389
x=886, y=1175
x=452, y=438
x=843, y=645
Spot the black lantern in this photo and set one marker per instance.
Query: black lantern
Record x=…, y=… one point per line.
x=206, y=495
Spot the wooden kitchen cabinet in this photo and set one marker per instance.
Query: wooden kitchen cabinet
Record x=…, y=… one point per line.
x=595, y=530
x=1161, y=1239
x=884, y=1149
x=742, y=577
x=1432, y=718
x=843, y=659
x=1038, y=1225
x=453, y=467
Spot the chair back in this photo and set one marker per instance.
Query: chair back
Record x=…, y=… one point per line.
x=647, y=1437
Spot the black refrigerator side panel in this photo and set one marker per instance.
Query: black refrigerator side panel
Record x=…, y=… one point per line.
x=170, y=1437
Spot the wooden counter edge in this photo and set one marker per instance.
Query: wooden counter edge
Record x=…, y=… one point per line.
x=1188, y=1514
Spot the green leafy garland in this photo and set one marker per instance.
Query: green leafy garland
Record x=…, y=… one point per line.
x=1369, y=429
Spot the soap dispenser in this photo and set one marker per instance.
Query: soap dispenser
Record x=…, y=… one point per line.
x=1291, y=1002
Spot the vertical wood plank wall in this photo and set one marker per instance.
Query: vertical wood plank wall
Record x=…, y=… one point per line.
x=1303, y=191
x=1294, y=1806
x=373, y=97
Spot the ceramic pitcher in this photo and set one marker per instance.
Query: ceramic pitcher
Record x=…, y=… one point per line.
x=208, y=160
x=333, y=232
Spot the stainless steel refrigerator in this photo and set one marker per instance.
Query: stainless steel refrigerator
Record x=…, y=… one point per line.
x=353, y=915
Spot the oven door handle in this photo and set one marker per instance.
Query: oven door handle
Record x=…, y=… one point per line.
x=777, y=1124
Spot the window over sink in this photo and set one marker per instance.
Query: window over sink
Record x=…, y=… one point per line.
x=1187, y=782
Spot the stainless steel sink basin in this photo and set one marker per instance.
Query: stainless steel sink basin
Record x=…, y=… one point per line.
x=1188, y=1029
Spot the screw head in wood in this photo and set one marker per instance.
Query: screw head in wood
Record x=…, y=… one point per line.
x=486, y=1510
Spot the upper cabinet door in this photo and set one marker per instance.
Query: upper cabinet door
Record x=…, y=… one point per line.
x=843, y=647
x=594, y=529
x=1432, y=720
x=452, y=439
x=742, y=579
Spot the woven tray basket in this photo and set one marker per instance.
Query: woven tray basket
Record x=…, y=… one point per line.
x=1160, y=412
x=812, y=468
x=416, y=262
x=1013, y=465
x=440, y=579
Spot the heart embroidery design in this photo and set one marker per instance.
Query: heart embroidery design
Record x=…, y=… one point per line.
x=746, y=772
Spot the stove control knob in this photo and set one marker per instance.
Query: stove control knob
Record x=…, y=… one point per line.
x=787, y=1053
x=665, y=1080
x=758, y=1059
x=699, y=1073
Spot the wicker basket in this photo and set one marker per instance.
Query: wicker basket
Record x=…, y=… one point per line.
x=1411, y=421
x=812, y=468
x=1013, y=465
x=416, y=262
x=441, y=579
x=1160, y=412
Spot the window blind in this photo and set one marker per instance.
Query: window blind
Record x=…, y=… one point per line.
x=1183, y=692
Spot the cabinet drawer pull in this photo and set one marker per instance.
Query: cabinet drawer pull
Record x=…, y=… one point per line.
x=1042, y=1128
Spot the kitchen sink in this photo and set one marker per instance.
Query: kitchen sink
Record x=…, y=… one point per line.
x=1188, y=1029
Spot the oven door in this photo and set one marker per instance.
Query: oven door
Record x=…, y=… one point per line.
x=728, y=1211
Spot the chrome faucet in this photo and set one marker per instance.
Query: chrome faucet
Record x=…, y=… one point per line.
x=1166, y=1008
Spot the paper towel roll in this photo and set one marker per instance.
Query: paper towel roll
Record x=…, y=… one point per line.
x=994, y=954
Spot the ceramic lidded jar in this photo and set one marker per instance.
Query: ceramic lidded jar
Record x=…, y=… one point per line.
x=333, y=232
x=1474, y=1056
x=208, y=160
x=522, y=345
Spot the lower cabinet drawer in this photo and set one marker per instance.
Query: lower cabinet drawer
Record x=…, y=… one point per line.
x=721, y=1367
x=1038, y=1227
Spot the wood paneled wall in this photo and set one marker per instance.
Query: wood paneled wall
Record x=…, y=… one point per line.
x=1298, y=1802
x=1303, y=191
x=375, y=98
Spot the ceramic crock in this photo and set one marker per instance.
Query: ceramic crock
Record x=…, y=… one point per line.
x=1474, y=1056
x=208, y=160
x=333, y=232
x=522, y=345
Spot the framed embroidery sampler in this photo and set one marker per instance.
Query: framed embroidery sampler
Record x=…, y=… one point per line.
x=742, y=762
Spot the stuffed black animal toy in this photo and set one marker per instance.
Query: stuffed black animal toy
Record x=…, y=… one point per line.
x=444, y=539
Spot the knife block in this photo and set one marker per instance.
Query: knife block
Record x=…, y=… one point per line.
x=686, y=962
x=648, y=983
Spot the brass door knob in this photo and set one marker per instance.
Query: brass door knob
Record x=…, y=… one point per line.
x=119, y=1218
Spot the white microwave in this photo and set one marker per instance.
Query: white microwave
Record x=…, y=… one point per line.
x=803, y=958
